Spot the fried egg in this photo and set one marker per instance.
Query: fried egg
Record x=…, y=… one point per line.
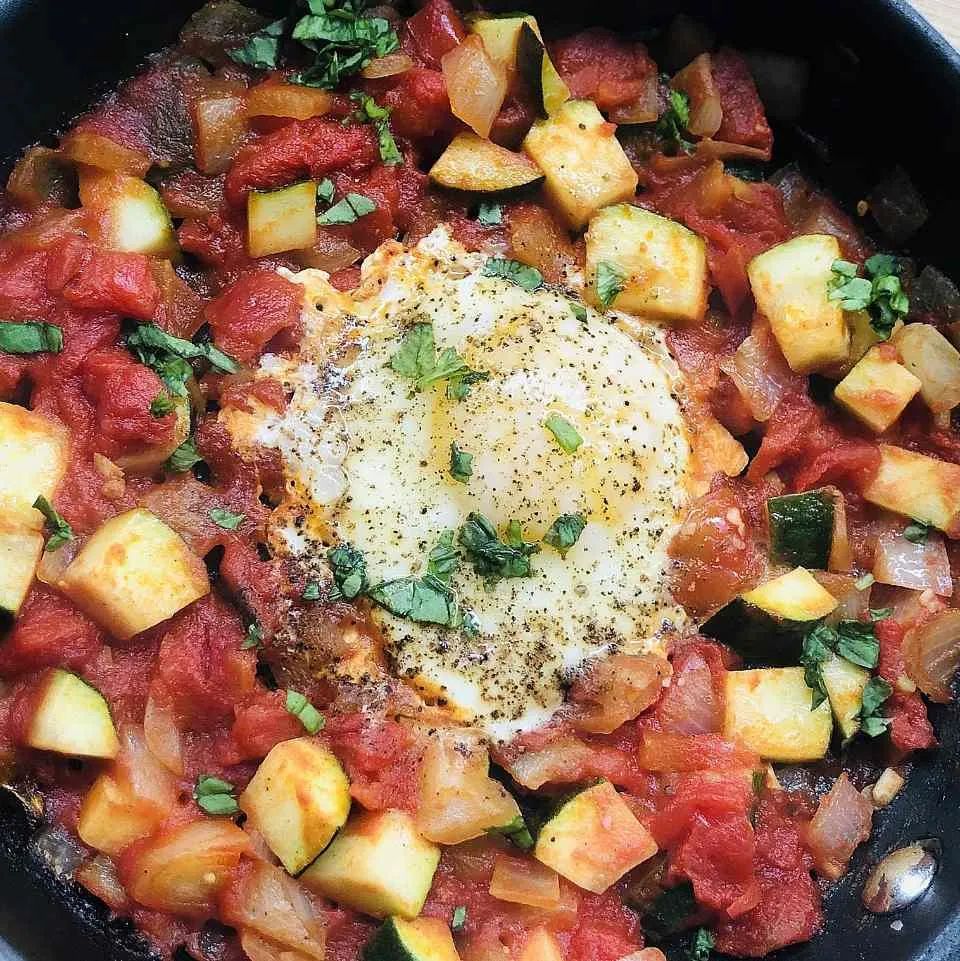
x=367, y=462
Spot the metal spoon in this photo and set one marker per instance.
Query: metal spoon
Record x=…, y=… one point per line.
x=902, y=877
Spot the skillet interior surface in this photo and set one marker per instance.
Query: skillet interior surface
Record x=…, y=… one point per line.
x=884, y=90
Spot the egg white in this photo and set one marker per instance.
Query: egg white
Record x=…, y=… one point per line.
x=367, y=462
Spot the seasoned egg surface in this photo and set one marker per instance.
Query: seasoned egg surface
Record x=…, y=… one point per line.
x=367, y=461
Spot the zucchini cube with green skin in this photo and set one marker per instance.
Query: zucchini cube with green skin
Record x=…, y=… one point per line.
x=878, y=388
x=663, y=264
x=844, y=683
x=770, y=622
x=20, y=552
x=582, y=160
x=593, y=839
x=801, y=528
x=281, y=220
x=426, y=939
x=33, y=452
x=132, y=214
x=768, y=711
x=71, y=717
x=472, y=163
x=352, y=869
x=917, y=486
x=133, y=573
x=926, y=353
x=298, y=799
x=790, y=284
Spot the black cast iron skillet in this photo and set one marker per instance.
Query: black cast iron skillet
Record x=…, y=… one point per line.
x=885, y=91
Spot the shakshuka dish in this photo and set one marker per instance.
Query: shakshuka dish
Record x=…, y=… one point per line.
x=460, y=498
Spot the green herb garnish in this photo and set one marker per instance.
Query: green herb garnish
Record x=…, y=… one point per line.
x=168, y=355
x=674, y=121
x=880, y=293
x=372, y=112
x=609, y=284
x=161, y=405
x=855, y=641
x=701, y=946
x=458, y=918
x=311, y=591
x=262, y=49
x=30, y=338
x=489, y=214
x=253, y=638
x=529, y=278
x=578, y=311
x=565, y=433
x=215, y=796
x=228, y=520
x=349, y=572
x=417, y=360
x=565, y=531
x=347, y=211
x=917, y=532
x=874, y=694
x=461, y=464
x=183, y=458
x=493, y=558
x=59, y=530
x=311, y=719
x=326, y=190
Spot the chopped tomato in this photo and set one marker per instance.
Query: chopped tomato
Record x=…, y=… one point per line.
x=660, y=751
x=432, y=32
x=705, y=794
x=254, y=583
x=252, y=311
x=605, y=930
x=744, y=120
x=417, y=99
x=910, y=728
x=259, y=726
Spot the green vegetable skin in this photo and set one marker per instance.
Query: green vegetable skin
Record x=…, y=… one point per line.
x=801, y=529
x=393, y=942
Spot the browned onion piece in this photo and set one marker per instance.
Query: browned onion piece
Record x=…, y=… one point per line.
x=842, y=821
x=330, y=253
x=617, y=689
x=932, y=653
x=476, y=85
x=721, y=150
x=162, y=734
x=99, y=877
x=759, y=372
x=644, y=109
x=388, y=66
x=524, y=881
x=696, y=81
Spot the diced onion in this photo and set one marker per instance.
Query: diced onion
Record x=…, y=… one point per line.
x=759, y=372
x=696, y=81
x=617, y=689
x=388, y=66
x=330, y=253
x=645, y=108
x=533, y=769
x=476, y=85
x=162, y=735
x=842, y=821
x=148, y=777
x=99, y=877
x=932, y=654
x=920, y=567
x=54, y=563
x=524, y=881
x=721, y=150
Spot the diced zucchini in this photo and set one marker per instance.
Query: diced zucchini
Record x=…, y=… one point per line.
x=111, y=817
x=281, y=220
x=536, y=67
x=593, y=839
x=133, y=573
x=769, y=623
x=151, y=458
x=917, y=486
x=844, y=682
x=472, y=163
x=33, y=452
x=663, y=264
x=790, y=284
x=541, y=945
x=801, y=528
x=927, y=354
x=862, y=338
x=132, y=215
x=768, y=711
x=71, y=717
x=298, y=799
x=878, y=388
x=20, y=551
x=501, y=35
x=426, y=939
x=351, y=870
x=553, y=88
x=584, y=165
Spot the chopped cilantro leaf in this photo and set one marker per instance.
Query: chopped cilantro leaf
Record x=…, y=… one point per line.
x=168, y=355
x=565, y=531
x=326, y=190
x=59, y=530
x=917, y=532
x=161, y=405
x=461, y=464
x=31, y=337
x=253, y=638
x=347, y=211
x=565, y=433
x=610, y=282
x=228, y=520
x=673, y=122
x=490, y=214
x=443, y=558
x=417, y=360
x=578, y=311
x=880, y=293
x=701, y=946
x=349, y=572
x=262, y=49
x=459, y=918
x=493, y=558
x=818, y=645
x=215, y=796
x=311, y=719
x=857, y=642
x=880, y=613
x=425, y=600
x=529, y=278
x=853, y=640
x=370, y=110
x=311, y=591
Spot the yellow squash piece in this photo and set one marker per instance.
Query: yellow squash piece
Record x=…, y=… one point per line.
x=663, y=265
x=20, y=551
x=844, y=683
x=790, y=283
x=133, y=573
x=472, y=163
x=878, y=388
x=281, y=220
x=298, y=799
x=794, y=596
x=768, y=711
x=584, y=165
